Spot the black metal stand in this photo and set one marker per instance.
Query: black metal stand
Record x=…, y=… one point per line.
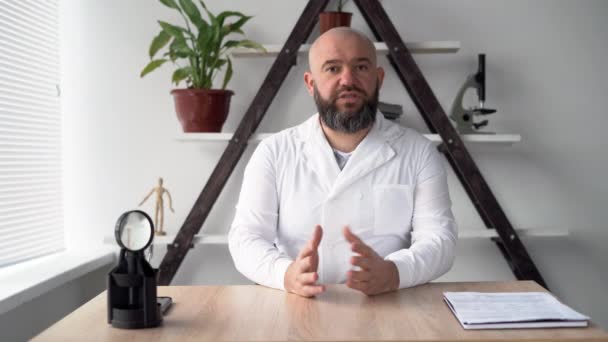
x=132, y=302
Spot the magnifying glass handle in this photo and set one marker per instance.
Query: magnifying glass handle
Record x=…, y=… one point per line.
x=131, y=270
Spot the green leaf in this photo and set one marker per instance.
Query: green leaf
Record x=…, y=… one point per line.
x=227, y=14
x=220, y=63
x=251, y=44
x=151, y=66
x=173, y=30
x=239, y=31
x=204, y=25
x=159, y=42
x=209, y=42
x=181, y=74
x=192, y=12
x=215, y=43
x=180, y=49
x=236, y=26
x=231, y=43
x=170, y=4
x=246, y=43
x=228, y=74
x=211, y=16
x=204, y=41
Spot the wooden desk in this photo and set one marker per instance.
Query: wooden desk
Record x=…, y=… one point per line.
x=248, y=313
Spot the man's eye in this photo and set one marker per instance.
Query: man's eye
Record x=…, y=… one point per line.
x=362, y=67
x=332, y=69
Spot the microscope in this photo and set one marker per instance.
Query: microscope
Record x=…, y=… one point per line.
x=463, y=117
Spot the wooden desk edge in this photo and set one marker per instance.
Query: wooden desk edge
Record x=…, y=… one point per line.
x=592, y=329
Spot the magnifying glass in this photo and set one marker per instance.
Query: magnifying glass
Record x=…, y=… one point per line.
x=134, y=231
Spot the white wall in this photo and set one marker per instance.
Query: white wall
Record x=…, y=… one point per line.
x=546, y=76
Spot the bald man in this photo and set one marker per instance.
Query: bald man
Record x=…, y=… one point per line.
x=346, y=196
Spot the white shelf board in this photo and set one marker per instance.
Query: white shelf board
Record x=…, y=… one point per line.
x=468, y=138
x=204, y=239
x=272, y=50
x=222, y=239
x=217, y=137
x=531, y=232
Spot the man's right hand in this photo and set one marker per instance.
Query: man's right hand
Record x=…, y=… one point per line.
x=301, y=275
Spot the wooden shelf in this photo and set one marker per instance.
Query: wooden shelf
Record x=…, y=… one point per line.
x=506, y=139
x=272, y=50
x=222, y=239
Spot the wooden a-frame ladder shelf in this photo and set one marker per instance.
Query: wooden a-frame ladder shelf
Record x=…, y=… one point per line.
x=400, y=57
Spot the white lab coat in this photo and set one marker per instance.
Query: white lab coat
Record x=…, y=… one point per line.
x=392, y=193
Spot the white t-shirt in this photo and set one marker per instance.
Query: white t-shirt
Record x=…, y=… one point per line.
x=341, y=158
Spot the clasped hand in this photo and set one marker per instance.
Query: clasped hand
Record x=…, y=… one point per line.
x=375, y=275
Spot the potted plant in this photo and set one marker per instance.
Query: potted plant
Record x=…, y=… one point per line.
x=329, y=20
x=199, y=51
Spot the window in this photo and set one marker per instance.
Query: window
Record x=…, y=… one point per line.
x=31, y=208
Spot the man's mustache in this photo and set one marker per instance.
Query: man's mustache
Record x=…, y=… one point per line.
x=349, y=89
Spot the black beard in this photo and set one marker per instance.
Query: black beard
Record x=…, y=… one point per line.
x=347, y=122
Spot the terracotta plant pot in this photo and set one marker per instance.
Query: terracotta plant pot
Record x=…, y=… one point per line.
x=202, y=110
x=329, y=20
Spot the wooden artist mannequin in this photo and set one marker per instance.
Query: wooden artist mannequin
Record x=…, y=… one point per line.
x=159, y=207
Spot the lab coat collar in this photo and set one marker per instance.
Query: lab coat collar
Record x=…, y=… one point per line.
x=373, y=151
x=317, y=153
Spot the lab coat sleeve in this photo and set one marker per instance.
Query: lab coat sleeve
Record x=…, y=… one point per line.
x=254, y=229
x=434, y=230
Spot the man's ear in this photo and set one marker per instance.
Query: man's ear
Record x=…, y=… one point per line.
x=380, y=76
x=309, y=82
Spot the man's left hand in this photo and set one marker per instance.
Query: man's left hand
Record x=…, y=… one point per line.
x=376, y=275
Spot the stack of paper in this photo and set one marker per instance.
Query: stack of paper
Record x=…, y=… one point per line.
x=507, y=310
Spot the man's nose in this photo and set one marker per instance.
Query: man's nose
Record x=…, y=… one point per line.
x=347, y=78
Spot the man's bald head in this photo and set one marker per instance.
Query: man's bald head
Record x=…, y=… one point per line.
x=335, y=37
x=344, y=79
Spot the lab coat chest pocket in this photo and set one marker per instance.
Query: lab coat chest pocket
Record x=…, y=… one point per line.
x=393, y=208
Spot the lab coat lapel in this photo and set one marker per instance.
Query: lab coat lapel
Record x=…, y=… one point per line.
x=373, y=152
x=318, y=154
